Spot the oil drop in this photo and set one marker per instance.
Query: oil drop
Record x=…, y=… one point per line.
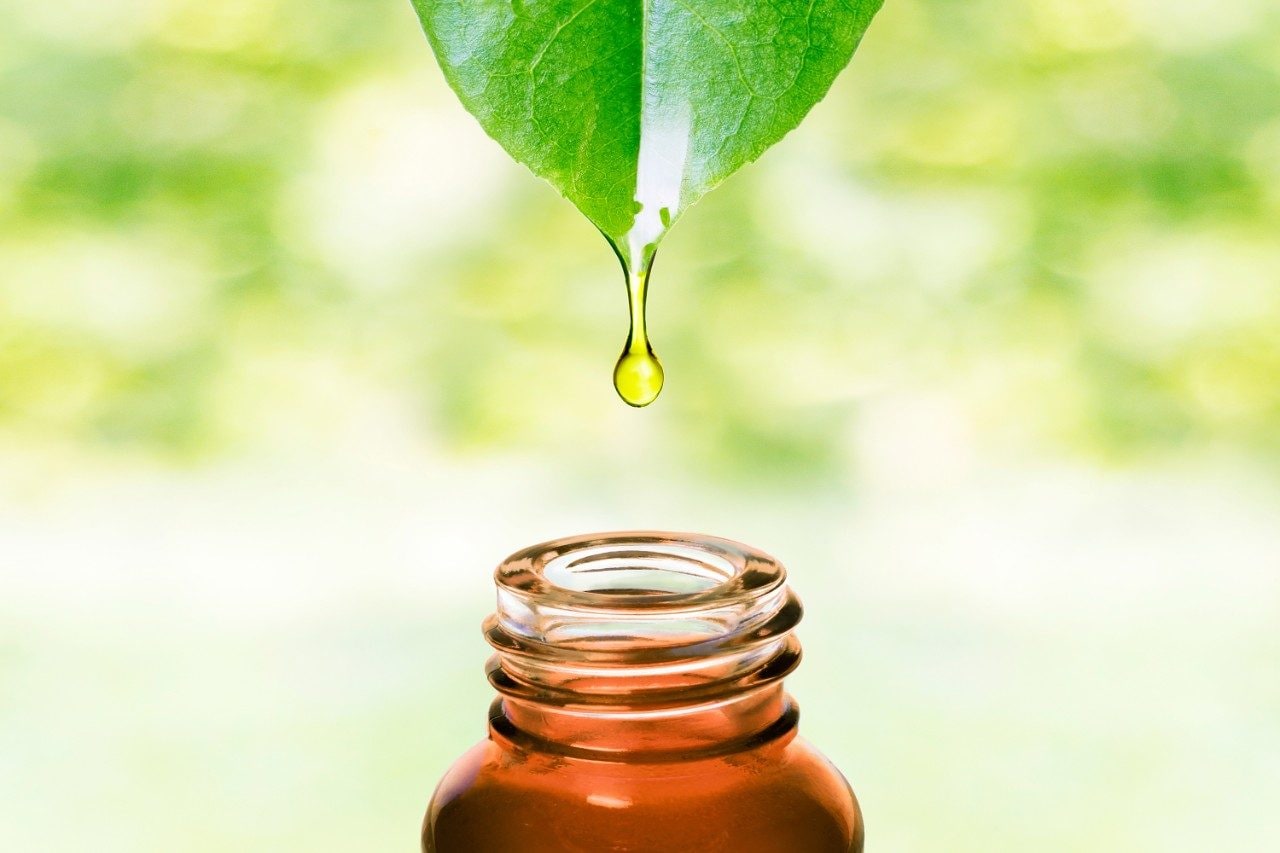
x=638, y=376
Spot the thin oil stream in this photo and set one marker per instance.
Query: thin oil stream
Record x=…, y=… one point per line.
x=638, y=375
x=665, y=133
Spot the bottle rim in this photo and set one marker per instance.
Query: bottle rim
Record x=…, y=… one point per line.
x=640, y=570
x=640, y=619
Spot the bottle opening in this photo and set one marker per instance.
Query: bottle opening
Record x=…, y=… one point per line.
x=650, y=596
x=640, y=619
x=625, y=570
x=612, y=638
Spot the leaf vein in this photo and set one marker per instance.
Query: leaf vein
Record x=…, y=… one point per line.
x=733, y=51
x=542, y=52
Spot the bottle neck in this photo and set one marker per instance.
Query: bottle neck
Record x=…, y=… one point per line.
x=642, y=644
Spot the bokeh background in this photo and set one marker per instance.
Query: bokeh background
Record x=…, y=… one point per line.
x=988, y=352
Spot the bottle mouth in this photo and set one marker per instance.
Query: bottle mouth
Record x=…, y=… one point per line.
x=640, y=617
x=644, y=569
x=640, y=572
x=640, y=590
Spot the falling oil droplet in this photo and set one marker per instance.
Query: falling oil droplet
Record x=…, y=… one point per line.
x=638, y=373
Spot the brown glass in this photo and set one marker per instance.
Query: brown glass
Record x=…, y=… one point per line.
x=641, y=710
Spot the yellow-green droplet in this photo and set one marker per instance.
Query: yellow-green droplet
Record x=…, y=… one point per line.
x=638, y=374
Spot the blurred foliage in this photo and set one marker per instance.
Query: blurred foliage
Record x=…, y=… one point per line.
x=218, y=218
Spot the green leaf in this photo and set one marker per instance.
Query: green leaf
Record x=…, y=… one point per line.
x=635, y=109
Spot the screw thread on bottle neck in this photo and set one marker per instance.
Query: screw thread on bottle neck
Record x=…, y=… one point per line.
x=625, y=640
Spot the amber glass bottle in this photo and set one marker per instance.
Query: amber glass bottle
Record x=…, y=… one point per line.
x=641, y=709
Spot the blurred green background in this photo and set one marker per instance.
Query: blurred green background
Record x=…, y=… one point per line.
x=988, y=351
